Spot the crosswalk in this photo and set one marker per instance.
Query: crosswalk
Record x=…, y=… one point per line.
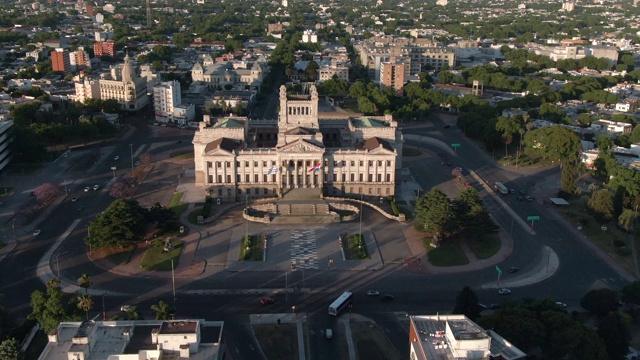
x=304, y=254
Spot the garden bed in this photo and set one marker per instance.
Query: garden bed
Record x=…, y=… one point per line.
x=355, y=247
x=251, y=248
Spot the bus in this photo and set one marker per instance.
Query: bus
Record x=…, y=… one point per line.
x=501, y=188
x=341, y=302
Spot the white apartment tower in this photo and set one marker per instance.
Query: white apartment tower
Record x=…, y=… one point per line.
x=166, y=96
x=285, y=3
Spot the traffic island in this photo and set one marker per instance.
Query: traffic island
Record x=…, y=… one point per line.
x=448, y=253
x=162, y=255
x=252, y=248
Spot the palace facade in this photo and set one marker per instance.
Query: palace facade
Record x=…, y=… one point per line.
x=237, y=157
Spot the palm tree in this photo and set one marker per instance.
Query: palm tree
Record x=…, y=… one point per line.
x=85, y=281
x=53, y=283
x=161, y=310
x=626, y=218
x=132, y=313
x=85, y=303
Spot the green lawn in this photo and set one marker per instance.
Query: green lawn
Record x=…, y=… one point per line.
x=411, y=151
x=154, y=259
x=278, y=342
x=193, y=216
x=251, y=248
x=447, y=254
x=182, y=154
x=371, y=343
x=175, y=200
x=484, y=246
x=179, y=209
x=354, y=247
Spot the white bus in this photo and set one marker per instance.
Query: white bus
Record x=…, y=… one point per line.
x=501, y=188
x=340, y=303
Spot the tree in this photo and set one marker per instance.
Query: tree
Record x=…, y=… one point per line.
x=312, y=70
x=123, y=188
x=85, y=303
x=508, y=126
x=161, y=310
x=626, y=219
x=467, y=303
x=120, y=225
x=434, y=212
x=553, y=142
x=471, y=215
x=601, y=204
x=48, y=309
x=600, y=302
x=10, y=350
x=521, y=326
x=631, y=293
x=85, y=282
x=614, y=331
x=46, y=193
x=132, y=313
x=569, y=179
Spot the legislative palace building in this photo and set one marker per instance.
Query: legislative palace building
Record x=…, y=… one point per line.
x=326, y=153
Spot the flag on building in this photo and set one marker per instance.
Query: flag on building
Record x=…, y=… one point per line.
x=316, y=167
x=272, y=170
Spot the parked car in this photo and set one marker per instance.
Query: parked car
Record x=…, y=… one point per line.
x=328, y=334
x=529, y=198
x=36, y=232
x=482, y=307
x=137, y=163
x=267, y=301
x=74, y=199
x=520, y=198
x=504, y=291
x=116, y=158
x=373, y=293
x=87, y=188
x=561, y=304
x=125, y=307
x=80, y=208
x=514, y=269
x=96, y=187
x=387, y=297
x=512, y=191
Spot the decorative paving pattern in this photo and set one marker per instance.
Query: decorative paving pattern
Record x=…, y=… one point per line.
x=303, y=250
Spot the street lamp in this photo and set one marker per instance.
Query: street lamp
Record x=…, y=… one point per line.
x=131, y=153
x=173, y=281
x=58, y=263
x=113, y=168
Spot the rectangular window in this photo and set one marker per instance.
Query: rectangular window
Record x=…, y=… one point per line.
x=344, y=177
x=209, y=164
x=370, y=162
x=344, y=163
x=370, y=178
x=335, y=163
x=388, y=191
x=379, y=178
x=335, y=177
x=237, y=163
x=219, y=179
x=246, y=164
x=247, y=178
x=264, y=164
x=273, y=163
x=388, y=177
x=361, y=177
x=238, y=178
x=210, y=180
x=228, y=179
x=227, y=164
x=256, y=178
x=353, y=163
x=388, y=162
x=379, y=163
x=353, y=177
x=265, y=178
x=218, y=164
x=255, y=164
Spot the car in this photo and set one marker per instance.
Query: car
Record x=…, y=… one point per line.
x=522, y=192
x=156, y=124
x=267, y=301
x=136, y=163
x=387, y=297
x=504, y=291
x=36, y=232
x=80, y=208
x=514, y=269
x=561, y=304
x=447, y=126
x=373, y=293
x=529, y=198
x=520, y=198
x=328, y=334
x=74, y=199
x=96, y=187
x=512, y=191
x=481, y=307
x=87, y=189
x=116, y=158
x=125, y=307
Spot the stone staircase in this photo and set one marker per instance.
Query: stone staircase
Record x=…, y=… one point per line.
x=303, y=206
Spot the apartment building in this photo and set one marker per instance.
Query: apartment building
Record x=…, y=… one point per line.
x=86, y=88
x=61, y=61
x=392, y=75
x=167, y=104
x=102, y=48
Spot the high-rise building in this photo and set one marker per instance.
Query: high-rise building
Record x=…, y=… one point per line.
x=60, y=60
x=167, y=104
x=86, y=88
x=102, y=48
x=392, y=74
x=80, y=59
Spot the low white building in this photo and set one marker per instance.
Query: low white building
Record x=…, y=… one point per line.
x=134, y=340
x=611, y=127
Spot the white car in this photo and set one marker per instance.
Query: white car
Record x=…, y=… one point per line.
x=373, y=293
x=125, y=307
x=504, y=291
x=36, y=232
x=561, y=304
x=87, y=189
x=74, y=199
x=96, y=187
x=116, y=158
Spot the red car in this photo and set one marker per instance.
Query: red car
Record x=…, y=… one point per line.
x=267, y=301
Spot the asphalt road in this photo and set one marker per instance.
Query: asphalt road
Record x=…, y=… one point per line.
x=580, y=269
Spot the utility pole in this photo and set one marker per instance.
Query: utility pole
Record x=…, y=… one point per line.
x=131, y=153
